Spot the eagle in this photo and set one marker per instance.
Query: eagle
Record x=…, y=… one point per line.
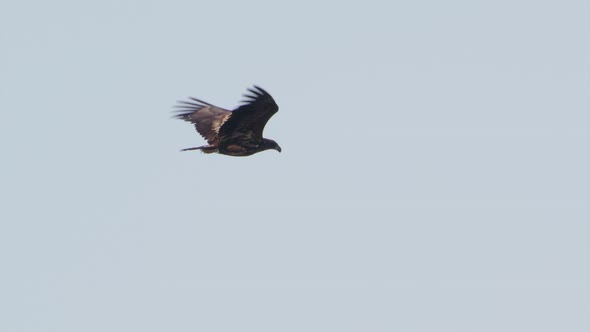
x=234, y=133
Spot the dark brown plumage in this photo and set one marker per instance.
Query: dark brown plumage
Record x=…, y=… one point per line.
x=233, y=133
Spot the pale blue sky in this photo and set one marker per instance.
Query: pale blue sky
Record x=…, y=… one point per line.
x=434, y=174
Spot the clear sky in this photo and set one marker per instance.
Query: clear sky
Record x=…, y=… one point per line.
x=434, y=173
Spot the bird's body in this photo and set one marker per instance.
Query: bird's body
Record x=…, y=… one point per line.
x=233, y=133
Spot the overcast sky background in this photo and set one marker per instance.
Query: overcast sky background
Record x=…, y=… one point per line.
x=434, y=173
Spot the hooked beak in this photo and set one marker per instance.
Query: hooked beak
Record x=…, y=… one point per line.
x=278, y=148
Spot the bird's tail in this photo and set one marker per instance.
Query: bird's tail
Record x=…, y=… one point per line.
x=204, y=149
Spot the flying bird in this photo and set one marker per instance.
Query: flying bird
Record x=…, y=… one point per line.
x=233, y=133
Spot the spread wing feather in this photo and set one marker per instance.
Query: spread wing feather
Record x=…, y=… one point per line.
x=207, y=118
x=247, y=122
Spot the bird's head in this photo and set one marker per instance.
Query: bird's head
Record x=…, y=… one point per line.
x=268, y=144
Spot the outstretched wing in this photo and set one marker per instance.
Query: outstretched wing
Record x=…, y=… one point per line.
x=247, y=121
x=207, y=118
